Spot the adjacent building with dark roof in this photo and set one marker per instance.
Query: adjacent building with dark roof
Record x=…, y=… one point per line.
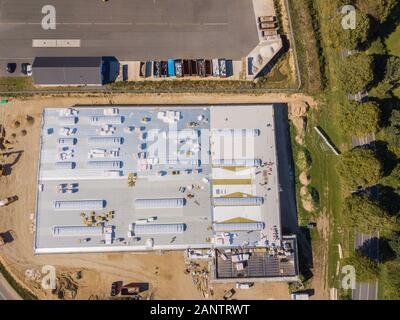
x=71, y=71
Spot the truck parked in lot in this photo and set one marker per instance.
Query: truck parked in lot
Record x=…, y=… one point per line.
x=7, y=237
x=267, y=25
x=266, y=19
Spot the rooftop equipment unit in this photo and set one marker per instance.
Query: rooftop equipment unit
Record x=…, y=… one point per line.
x=238, y=226
x=80, y=205
x=159, y=203
x=141, y=229
x=77, y=231
x=245, y=201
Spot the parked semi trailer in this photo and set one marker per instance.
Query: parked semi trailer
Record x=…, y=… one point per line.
x=222, y=68
x=215, y=67
x=208, y=66
x=201, y=68
x=171, y=68
x=178, y=68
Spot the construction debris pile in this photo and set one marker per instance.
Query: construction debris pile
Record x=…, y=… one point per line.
x=66, y=287
x=200, y=277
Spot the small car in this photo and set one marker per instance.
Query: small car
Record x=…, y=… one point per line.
x=26, y=68
x=11, y=67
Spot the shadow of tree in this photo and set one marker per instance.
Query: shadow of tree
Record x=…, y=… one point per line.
x=7, y=167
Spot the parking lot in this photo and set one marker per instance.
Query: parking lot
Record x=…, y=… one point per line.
x=130, y=30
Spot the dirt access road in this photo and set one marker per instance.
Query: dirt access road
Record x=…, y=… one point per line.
x=164, y=272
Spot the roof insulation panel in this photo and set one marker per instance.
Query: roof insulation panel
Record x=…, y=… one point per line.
x=105, y=140
x=77, y=231
x=159, y=228
x=65, y=165
x=237, y=162
x=80, y=205
x=104, y=164
x=68, y=121
x=243, y=226
x=245, y=201
x=159, y=203
x=100, y=120
x=67, y=141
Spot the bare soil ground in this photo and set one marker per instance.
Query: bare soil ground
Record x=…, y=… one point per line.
x=164, y=272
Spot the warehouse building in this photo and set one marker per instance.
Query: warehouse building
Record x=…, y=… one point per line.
x=68, y=71
x=164, y=178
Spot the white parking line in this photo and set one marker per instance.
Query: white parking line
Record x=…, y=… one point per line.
x=56, y=43
x=122, y=23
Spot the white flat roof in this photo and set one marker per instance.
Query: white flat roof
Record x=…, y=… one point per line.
x=173, y=172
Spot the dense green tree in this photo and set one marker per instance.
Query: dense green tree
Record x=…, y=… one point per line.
x=366, y=269
x=392, y=72
x=392, y=132
x=392, y=285
x=393, y=180
x=377, y=47
x=394, y=244
x=350, y=38
x=379, y=9
x=360, y=167
x=360, y=118
x=355, y=73
x=367, y=216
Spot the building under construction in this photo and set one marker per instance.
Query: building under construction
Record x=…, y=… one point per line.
x=148, y=178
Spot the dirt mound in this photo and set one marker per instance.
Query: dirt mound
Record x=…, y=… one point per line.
x=306, y=199
x=304, y=178
x=66, y=287
x=298, y=108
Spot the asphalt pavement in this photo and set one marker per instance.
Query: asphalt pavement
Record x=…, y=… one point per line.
x=369, y=245
x=130, y=30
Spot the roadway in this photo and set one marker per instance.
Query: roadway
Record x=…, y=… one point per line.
x=6, y=291
x=369, y=245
